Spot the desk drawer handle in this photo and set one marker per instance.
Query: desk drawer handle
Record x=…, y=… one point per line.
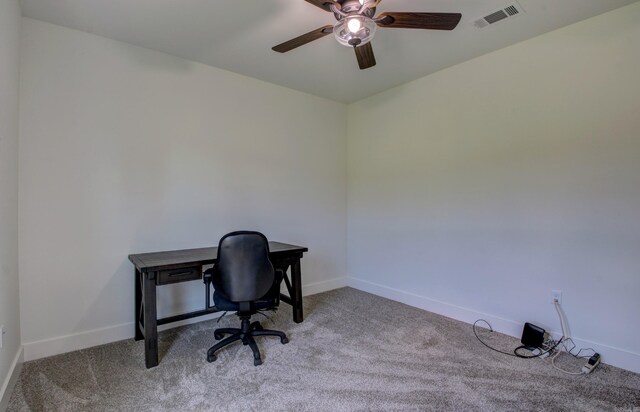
x=176, y=274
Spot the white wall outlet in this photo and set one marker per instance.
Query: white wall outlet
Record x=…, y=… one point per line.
x=1, y=334
x=556, y=296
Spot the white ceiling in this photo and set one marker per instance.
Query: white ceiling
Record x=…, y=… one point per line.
x=237, y=35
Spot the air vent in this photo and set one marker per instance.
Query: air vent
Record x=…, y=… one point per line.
x=509, y=11
x=495, y=17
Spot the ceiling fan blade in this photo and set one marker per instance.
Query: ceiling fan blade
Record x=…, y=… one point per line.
x=365, y=56
x=304, y=39
x=323, y=4
x=432, y=21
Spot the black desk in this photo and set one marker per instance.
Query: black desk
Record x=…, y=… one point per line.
x=164, y=268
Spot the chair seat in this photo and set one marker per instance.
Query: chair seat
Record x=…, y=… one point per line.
x=223, y=303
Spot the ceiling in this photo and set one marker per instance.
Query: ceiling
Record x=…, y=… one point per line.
x=237, y=35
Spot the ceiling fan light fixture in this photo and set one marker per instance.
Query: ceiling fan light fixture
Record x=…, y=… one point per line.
x=354, y=30
x=354, y=25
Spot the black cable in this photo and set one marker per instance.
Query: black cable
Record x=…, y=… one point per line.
x=515, y=351
x=577, y=355
x=491, y=329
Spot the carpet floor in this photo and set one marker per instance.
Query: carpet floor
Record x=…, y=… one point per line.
x=354, y=352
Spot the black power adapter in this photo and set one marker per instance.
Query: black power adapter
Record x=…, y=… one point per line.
x=593, y=361
x=532, y=336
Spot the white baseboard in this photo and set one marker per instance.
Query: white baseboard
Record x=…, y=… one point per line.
x=76, y=341
x=506, y=326
x=11, y=379
x=319, y=287
x=86, y=339
x=610, y=355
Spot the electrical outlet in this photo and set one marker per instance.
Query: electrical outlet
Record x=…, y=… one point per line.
x=556, y=296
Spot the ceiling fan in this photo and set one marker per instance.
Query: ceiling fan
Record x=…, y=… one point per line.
x=356, y=25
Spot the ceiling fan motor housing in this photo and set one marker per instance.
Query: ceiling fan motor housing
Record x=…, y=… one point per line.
x=354, y=29
x=352, y=6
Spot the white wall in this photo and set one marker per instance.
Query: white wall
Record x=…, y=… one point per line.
x=478, y=189
x=9, y=305
x=126, y=150
x=473, y=191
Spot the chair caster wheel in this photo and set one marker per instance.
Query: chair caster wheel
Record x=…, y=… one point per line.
x=211, y=358
x=257, y=362
x=259, y=327
x=284, y=341
x=217, y=336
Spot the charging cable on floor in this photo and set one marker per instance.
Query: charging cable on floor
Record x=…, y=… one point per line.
x=481, y=341
x=515, y=352
x=593, y=361
x=548, y=347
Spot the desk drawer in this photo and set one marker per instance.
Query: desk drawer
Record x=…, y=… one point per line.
x=179, y=275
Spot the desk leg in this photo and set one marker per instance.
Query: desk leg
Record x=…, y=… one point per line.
x=296, y=298
x=137, y=306
x=150, y=320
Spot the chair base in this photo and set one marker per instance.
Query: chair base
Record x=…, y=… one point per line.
x=245, y=333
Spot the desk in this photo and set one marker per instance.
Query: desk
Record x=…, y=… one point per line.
x=164, y=268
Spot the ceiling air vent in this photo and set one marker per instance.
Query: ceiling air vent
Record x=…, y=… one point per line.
x=511, y=10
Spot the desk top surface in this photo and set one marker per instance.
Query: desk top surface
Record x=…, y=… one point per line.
x=201, y=256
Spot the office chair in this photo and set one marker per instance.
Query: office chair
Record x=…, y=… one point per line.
x=245, y=281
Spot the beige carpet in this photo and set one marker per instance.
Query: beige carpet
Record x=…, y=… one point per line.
x=353, y=352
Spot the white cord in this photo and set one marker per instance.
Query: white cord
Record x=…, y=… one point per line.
x=565, y=333
x=565, y=338
x=553, y=363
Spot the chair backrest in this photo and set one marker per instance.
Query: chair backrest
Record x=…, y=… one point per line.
x=244, y=269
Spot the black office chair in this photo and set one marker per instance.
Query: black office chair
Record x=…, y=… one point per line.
x=244, y=281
